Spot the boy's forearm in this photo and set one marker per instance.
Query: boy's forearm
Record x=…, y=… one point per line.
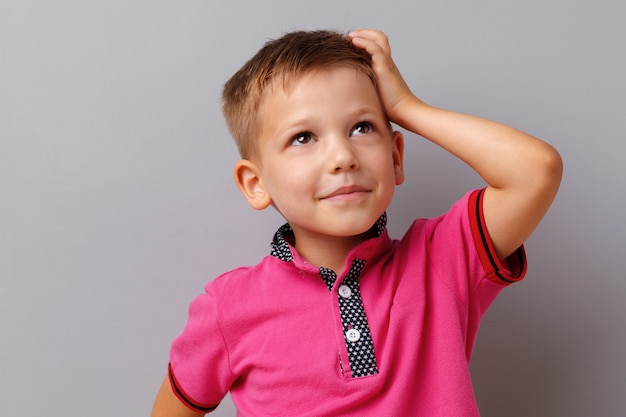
x=501, y=155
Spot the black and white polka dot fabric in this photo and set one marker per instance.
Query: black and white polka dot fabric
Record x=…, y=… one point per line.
x=356, y=329
x=280, y=247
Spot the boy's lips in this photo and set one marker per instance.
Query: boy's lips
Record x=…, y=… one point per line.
x=346, y=192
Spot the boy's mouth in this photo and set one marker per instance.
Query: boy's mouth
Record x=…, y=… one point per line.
x=346, y=193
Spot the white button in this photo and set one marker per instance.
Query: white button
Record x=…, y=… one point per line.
x=345, y=291
x=353, y=335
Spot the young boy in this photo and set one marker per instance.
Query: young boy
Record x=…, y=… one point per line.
x=341, y=320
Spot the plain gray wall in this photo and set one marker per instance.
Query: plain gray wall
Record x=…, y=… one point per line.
x=117, y=204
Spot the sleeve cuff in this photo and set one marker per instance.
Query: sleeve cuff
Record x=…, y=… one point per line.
x=184, y=398
x=513, y=268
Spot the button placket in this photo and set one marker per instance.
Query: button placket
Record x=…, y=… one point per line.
x=356, y=328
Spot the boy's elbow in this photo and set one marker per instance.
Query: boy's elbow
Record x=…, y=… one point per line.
x=553, y=165
x=550, y=171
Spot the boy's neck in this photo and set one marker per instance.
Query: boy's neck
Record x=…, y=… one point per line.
x=327, y=251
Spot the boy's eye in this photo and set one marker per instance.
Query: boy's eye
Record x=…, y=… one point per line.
x=301, y=139
x=362, y=128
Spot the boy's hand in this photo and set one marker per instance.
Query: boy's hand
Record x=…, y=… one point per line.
x=393, y=89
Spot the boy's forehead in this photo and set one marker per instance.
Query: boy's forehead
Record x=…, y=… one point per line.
x=285, y=89
x=286, y=82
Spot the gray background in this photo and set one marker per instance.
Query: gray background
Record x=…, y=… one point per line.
x=117, y=204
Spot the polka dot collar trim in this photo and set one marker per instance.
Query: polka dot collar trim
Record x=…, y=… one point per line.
x=282, y=250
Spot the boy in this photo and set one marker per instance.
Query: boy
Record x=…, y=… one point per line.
x=341, y=320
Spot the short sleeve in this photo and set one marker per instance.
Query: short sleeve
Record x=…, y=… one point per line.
x=463, y=255
x=199, y=368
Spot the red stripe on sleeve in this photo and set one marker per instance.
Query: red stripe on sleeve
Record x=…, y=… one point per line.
x=513, y=268
x=184, y=398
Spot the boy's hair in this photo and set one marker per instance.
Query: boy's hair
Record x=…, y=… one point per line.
x=284, y=59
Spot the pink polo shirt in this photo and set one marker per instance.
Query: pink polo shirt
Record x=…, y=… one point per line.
x=391, y=335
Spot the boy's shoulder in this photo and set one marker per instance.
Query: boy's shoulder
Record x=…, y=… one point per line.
x=251, y=280
x=237, y=276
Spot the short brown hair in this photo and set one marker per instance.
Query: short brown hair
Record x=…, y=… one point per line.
x=292, y=55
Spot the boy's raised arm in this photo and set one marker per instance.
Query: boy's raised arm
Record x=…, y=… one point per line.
x=522, y=172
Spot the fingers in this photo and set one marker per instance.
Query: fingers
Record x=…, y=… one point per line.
x=391, y=86
x=370, y=34
x=372, y=40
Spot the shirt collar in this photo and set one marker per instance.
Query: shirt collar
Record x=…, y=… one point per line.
x=282, y=250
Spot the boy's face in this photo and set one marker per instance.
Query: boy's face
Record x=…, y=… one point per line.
x=327, y=159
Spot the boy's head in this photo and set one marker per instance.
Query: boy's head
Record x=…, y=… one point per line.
x=314, y=137
x=283, y=60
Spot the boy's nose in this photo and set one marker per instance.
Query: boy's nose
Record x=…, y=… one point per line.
x=342, y=156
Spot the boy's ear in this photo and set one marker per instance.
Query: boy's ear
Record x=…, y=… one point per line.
x=398, y=156
x=248, y=179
